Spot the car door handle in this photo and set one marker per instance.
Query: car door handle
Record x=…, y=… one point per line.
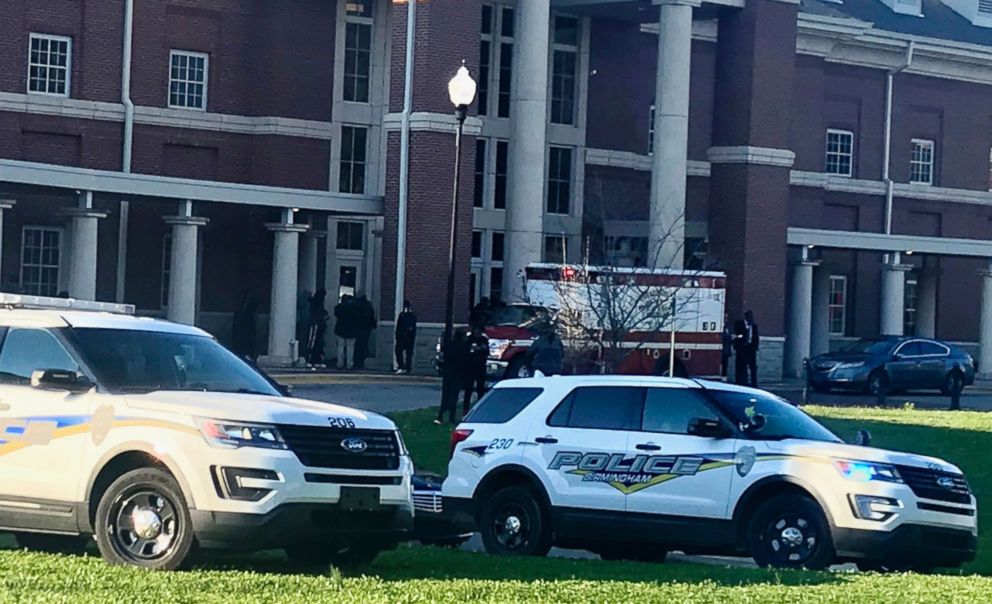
x=546, y=440
x=648, y=447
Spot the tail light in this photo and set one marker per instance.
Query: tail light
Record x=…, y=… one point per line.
x=458, y=436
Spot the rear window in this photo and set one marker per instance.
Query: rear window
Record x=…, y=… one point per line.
x=501, y=405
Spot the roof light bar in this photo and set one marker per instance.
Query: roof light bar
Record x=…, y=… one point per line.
x=46, y=303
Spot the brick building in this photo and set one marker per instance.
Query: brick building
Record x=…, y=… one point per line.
x=831, y=156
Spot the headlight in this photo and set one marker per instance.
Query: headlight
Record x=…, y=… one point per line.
x=227, y=434
x=851, y=365
x=497, y=348
x=864, y=471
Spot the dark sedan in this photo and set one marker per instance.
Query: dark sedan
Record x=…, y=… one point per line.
x=897, y=364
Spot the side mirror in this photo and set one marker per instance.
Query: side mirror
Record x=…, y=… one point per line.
x=707, y=428
x=863, y=439
x=60, y=379
x=755, y=424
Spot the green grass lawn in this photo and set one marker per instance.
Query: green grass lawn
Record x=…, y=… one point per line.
x=418, y=574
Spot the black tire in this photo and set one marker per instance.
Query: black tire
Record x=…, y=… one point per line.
x=518, y=368
x=513, y=522
x=321, y=556
x=790, y=531
x=635, y=553
x=877, y=379
x=53, y=544
x=953, y=382
x=164, y=538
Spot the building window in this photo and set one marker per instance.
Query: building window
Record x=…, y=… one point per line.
x=921, y=162
x=909, y=307
x=353, y=143
x=565, y=52
x=351, y=235
x=41, y=254
x=485, y=58
x=626, y=251
x=357, y=50
x=502, y=165
x=166, y=269
x=696, y=253
x=837, y=305
x=559, y=180
x=840, y=152
x=480, y=172
x=497, y=250
x=188, y=80
x=554, y=249
x=505, y=62
x=651, y=131
x=49, y=64
x=476, y=244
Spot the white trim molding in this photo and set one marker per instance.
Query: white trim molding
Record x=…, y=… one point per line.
x=426, y=121
x=842, y=184
x=636, y=161
x=880, y=242
x=760, y=156
x=103, y=181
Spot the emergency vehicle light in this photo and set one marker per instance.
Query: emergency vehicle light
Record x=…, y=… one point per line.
x=47, y=303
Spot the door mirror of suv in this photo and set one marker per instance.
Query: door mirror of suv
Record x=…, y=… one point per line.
x=60, y=379
x=863, y=438
x=709, y=428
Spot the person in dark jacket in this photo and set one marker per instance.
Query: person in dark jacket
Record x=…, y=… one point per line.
x=547, y=353
x=344, y=329
x=365, y=322
x=303, y=322
x=726, y=347
x=746, y=342
x=317, y=334
x=474, y=376
x=455, y=355
x=406, y=337
x=480, y=313
x=243, y=329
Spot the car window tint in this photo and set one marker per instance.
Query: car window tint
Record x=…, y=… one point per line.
x=28, y=350
x=671, y=409
x=932, y=348
x=909, y=349
x=602, y=408
x=501, y=405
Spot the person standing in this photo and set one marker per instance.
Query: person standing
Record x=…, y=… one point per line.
x=453, y=368
x=317, y=334
x=746, y=343
x=344, y=329
x=406, y=337
x=479, y=314
x=243, y=329
x=365, y=322
x=303, y=323
x=474, y=376
x=547, y=353
x=727, y=347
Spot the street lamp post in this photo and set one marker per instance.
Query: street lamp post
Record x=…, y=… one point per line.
x=461, y=90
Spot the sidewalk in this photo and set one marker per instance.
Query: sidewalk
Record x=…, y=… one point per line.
x=303, y=377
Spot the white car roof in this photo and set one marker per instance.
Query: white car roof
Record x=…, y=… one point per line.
x=573, y=381
x=96, y=320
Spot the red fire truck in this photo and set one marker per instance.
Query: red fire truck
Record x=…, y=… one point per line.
x=699, y=311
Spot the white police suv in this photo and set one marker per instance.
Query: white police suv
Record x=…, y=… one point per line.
x=634, y=467
x=155, y=439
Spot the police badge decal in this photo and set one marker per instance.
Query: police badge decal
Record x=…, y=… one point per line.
x=744, y=460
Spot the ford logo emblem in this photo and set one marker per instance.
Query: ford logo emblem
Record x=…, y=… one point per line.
x=946, y=482
x=354, y=445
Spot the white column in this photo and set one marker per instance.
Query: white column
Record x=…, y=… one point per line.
x=985, y=326
x=282, y=312
x=82, y=263
x=820, y=329
x=893, y=296
x=528, y=144
x=5, y=204
x=926, y=302
x=797, y=344
x=666, y=236
x=308, y=260
x=184, y=278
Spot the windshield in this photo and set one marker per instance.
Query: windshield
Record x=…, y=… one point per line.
x=870, y=346
x=516, y=316
x=146, y=361
x=782, y=419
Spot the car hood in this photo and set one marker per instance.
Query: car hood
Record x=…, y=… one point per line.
x=255, y=408
x=814, y=449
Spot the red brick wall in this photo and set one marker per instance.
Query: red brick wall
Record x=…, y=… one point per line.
x=58, y=140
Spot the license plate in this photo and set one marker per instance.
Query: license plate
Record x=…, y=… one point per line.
x=359, y=498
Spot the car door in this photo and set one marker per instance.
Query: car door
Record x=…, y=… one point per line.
x=580, y=440
x=42, y=432
x=903, y=368
x=932, y=365
x=683, y=474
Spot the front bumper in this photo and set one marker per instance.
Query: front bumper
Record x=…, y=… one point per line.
x=910, y=543
x=296, y=523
